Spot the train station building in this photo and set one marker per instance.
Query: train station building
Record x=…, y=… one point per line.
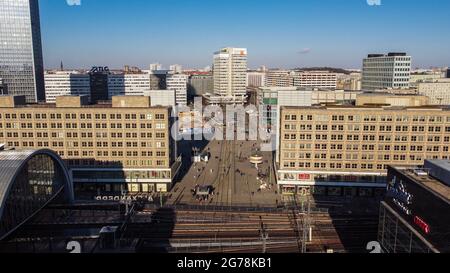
x=29, y=181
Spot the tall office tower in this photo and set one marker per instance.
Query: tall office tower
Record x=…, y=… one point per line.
x=155, y=67
x=230, y=74
x=392, y=71
x=448, y=73
x=66, y=83
x=178, y=82
x=176, y=68
x=21, y=64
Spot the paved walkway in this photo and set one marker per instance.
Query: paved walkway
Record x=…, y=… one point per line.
x=232, y=188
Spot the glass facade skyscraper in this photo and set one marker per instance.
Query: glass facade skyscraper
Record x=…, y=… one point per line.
x=21, y=63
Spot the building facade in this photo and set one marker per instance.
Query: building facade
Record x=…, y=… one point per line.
x=176, y=68
x=128, y=84
x=438, y=92
x=230, y=74
x=66, y=83
x=280, y=78
x=256, y=79
x=155, y=67
x=21, y=62
x=386, y=71
x=342, y=150
x=414, y=215
x=162, y=97
x=123, y=145
x=199, y=85
x=178, y=83
x=318, y=79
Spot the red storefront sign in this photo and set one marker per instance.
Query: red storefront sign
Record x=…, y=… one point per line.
x=304, y=176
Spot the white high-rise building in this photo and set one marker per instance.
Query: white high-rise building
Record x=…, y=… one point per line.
x=155, y=67
x=176, y=68
x=128, y=84
x=178, y=82
x=392, y=71
x=66, y=83
x=230, y=74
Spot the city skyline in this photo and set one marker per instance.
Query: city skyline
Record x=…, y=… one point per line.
x=279, y=35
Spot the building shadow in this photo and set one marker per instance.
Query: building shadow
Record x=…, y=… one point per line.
x=155, y=237
x=185, y=150
x=355, y=223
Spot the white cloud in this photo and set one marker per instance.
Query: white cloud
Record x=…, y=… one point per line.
x=305, y=51
x=73, y=2
x=374, y=2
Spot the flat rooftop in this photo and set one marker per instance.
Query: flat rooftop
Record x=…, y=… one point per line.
x=421, y=177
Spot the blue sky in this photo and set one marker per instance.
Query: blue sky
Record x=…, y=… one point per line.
x=278, y=33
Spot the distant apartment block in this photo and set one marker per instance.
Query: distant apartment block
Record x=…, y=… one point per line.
x=176, y=68
x=178, y=83
x=342, y=150
x=155, y=67
x=350, y=82
x=438, y=91
x=280, y=78
x=66, y=83
x=386, y=71
x=289, y=78
x=126, y=84
x=256, y=79
x=319, y=79
x=200, y=84
x=121, y=145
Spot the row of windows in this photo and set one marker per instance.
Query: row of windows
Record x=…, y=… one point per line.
x=371, y=147
x=82, y=135
x=383, y=138
x=86, y=116
x=61, y=144
x=349, y=166
x=351, y=118
x=107, y=163
x=159, y=126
